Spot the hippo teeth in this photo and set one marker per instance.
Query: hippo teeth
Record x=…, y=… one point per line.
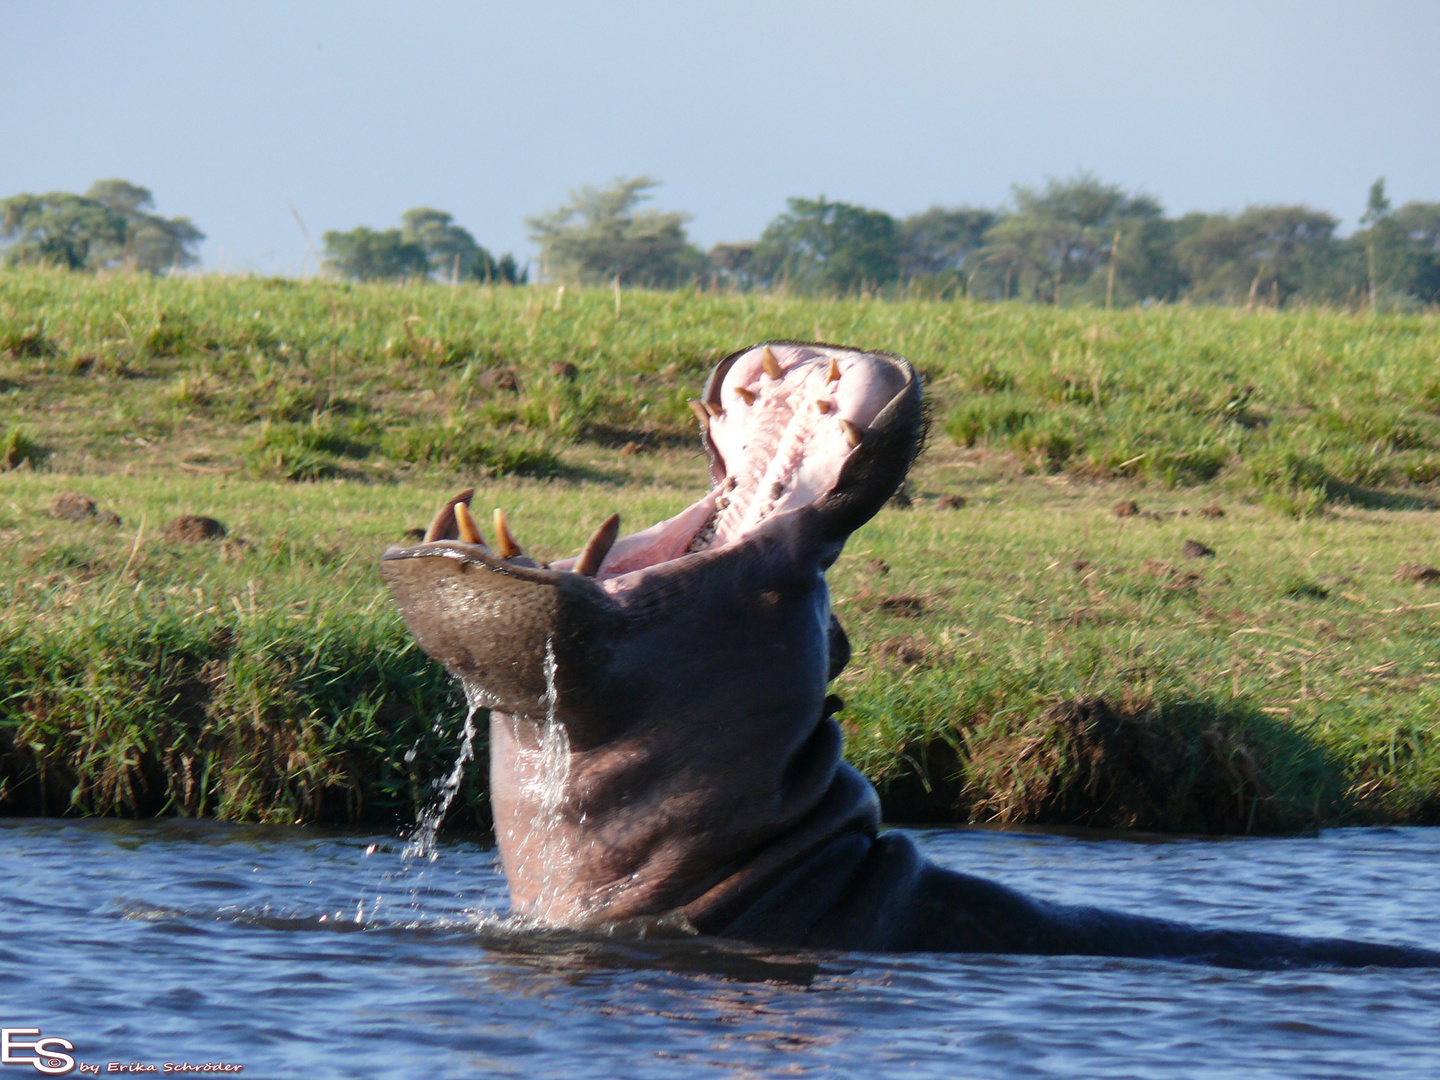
x=455, y=521
x=770, y=364
x=598, y=546
x=443, y=525
x=506, y=546
x=466, y=525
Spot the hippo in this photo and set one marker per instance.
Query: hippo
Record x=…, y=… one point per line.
x=662, y=740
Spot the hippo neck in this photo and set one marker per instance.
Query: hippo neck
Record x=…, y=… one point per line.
x=626, y=830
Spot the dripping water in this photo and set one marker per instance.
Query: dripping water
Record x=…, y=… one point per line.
x=546, y=782
x=550, y=781
x=422, y=842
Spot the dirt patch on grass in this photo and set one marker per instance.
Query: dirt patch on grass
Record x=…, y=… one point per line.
x=903, y=605
x=72, y=506
x=1194, y=549
x=1424, y=575
x=908, y=650
x=193, y=528
x=1174, y=579
x=1087, y=616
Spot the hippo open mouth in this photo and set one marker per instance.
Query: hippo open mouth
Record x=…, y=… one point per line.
x=684, y=666
x=661, y=740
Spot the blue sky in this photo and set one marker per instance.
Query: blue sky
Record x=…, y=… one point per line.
x=356, y=112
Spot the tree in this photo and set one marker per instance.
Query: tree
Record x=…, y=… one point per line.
x=1402, y=249
x=365, y=254
x=58, y=229
x=1143, y=261
x=942, y=241
x=152, y=243
x=730, y=264
x=1033, y=253
x=1377, y=210
x=451, y=250
x=504, y=269
x=110, y=225
x=1416, y=226
x=1058, y=239
x=1267, y=254
x=599, y=237
x=428, y=242
x=822, y=246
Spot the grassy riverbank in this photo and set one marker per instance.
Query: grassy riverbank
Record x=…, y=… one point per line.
x=1291, y=677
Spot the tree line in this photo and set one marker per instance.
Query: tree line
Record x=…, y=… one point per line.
x=1073, y=240
x=111, y=226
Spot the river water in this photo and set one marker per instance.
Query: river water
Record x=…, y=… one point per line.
x=311, y=953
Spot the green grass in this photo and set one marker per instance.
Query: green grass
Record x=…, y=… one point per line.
x=1290, y=680
x=1295, y=639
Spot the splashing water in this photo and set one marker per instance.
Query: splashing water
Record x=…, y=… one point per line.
x=422, y=842
x=547, y=782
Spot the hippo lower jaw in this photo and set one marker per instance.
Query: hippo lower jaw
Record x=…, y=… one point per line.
x=661, y=743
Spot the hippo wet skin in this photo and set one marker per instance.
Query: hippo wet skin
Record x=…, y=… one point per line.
x=661, y=739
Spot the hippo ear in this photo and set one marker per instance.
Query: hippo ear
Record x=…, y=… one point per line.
x=523, y=640
x=877, y=467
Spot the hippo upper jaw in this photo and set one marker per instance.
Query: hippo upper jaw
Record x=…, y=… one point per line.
x=660, y=728
x=549, y=645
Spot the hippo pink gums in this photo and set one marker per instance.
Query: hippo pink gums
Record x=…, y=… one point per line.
x=661, y=738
